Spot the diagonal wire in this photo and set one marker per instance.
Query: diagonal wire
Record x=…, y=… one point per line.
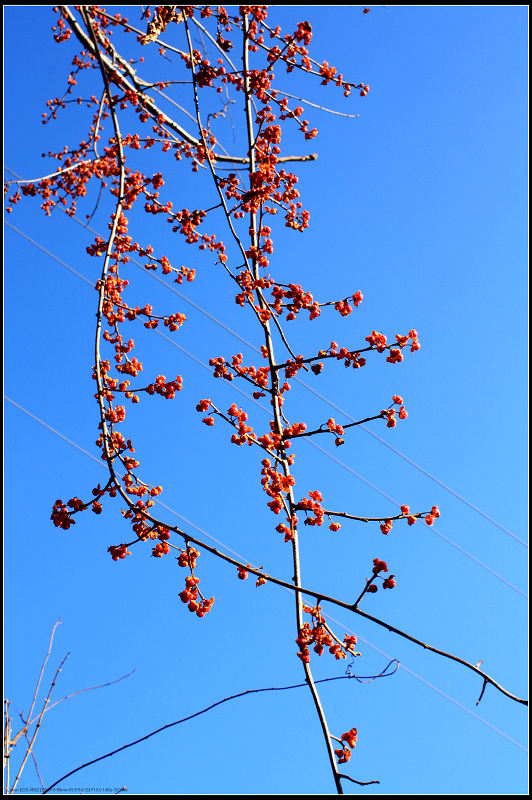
x=101, y=463
x=317, y=394
x=417, y=466
x=243, y=559
x=357, y=475
x=430, y=685
x=325, y=399
x=313, y=444
x=434, y=530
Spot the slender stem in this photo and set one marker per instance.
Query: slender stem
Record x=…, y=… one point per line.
x=34, y=700
x=29, y=750
x=7, y=743
x=328, y=430
x=277, y=414
x=110, y=242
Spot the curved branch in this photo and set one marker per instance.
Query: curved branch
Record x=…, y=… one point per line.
x=204, y=711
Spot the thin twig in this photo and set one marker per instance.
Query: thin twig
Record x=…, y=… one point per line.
x=38, y=725
x=87, y=689
x=34, y=700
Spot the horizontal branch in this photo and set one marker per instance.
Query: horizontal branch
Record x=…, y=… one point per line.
x=345, y=515
x=329, y=430
x=330, y=355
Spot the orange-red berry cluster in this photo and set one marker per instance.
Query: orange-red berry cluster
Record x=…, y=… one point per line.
x=318, y=636
x=350, y=737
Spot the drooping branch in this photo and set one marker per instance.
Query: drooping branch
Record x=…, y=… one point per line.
x=266, y=189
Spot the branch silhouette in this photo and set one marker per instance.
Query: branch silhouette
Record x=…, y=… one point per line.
x=366, y=678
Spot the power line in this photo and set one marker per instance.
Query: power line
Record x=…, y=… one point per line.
x=357, y=475
x=263, y=408
x=102, y=464
x=244, y=560
x=316, y=393
x=313, y=444
x=49, y=253
x=418, y=467
x=431, y=686
x=433, y=529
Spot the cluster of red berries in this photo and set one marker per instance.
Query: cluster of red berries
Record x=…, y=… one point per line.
x=411, y=519
x=387, y=583
x=350, y=737
x=189, y=595
x=188, y=558
x=275, y=484
x=118, y=551
x=244, y=431
x=344, y=307
x=390, y=413
x=320, y=638
x=165, y=388
x=259, y=376
x=61, y=516
x=312, y=504
x=337, y=430
x=162, y=548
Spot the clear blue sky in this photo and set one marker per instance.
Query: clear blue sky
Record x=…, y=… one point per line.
x=421, y=203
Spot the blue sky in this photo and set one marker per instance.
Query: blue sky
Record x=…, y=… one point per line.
x=421, y=203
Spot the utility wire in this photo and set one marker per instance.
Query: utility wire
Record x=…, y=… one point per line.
x=263, y=408
x=244, y=560
x=102, y=464
x=356, y=474
x=417, y=466
x=315, y=392
x=430, y=685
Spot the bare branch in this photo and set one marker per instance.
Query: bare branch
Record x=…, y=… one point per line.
x=204, y=711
